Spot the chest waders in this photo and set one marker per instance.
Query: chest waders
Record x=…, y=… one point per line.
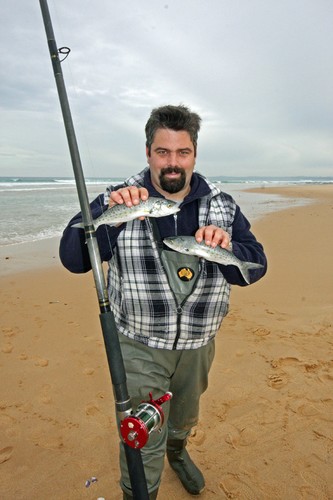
x=182, y=271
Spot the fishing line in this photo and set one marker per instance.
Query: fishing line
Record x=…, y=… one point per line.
x=73, y=80
x=65, y=51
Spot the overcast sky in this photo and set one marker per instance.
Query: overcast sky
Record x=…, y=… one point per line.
x=259, y=72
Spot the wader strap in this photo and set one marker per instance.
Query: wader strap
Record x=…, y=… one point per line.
x=157, y=235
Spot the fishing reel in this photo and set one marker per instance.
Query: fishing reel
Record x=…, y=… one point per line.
x=149, y=417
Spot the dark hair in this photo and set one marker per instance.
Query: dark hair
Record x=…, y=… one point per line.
x=174, y=118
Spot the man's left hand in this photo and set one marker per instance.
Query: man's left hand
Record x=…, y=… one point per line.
x=213, y=236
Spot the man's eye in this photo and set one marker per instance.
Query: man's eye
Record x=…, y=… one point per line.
x=162, y=152
x=184, y=153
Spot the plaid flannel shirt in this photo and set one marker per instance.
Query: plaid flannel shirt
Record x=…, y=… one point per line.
x=142, y=301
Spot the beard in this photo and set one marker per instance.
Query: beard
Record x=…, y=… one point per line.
x=172, y=185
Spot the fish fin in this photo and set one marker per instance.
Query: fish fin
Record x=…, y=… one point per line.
x=80, y=225
x=110, y=224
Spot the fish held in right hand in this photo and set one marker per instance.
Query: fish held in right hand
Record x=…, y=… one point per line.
x=118, y=214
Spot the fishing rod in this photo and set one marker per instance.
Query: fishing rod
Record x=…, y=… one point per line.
x=111, y=341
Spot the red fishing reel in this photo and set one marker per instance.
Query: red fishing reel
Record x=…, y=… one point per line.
x=149, y=417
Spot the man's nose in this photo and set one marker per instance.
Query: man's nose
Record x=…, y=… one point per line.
x=172, y=159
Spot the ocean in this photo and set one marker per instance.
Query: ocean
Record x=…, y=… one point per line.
x=34, y=208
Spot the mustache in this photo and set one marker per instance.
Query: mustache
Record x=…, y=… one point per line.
x=172, y=170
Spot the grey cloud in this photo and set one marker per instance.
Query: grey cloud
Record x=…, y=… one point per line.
x=259, y=72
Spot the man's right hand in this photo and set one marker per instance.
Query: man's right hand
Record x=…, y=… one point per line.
x=130, y=195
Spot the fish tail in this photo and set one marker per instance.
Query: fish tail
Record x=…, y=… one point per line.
x=246, y=266
x=78, y=225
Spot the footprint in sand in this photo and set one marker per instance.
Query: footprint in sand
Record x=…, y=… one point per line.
x=7, y=348
x=306, y=409
x=316, y=486
x=93, y=410
x=46, y=400
x=234, y=486
x=10, y=332
x=309, y=366
x=39, y=321
x=197, y=437
x=41, y=362
x=49, y=442
x=261, y=332
x=289, y=361
x=324, y=432
x=6, y=454
x=277, y=380
x=45, y=394
x=241, y=437
x=321, y=369
x=327, y=371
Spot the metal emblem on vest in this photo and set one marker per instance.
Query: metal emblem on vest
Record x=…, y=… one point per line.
x=185, y=273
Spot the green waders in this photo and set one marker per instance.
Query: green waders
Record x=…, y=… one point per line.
x=184, y=373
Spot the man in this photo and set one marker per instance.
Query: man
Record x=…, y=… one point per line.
x=167, y=318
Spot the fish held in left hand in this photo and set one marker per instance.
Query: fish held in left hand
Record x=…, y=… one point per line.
x=188, y=245
x=118, y=214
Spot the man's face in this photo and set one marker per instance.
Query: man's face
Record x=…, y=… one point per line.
x=171, y=161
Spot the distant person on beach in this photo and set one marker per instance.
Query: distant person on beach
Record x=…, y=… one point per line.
x=167, y=318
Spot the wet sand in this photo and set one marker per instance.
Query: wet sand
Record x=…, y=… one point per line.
x=266, y=427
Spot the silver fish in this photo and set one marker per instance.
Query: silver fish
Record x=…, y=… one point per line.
x=152, y=207
x=189, y=245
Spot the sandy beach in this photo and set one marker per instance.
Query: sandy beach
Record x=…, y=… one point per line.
x=266, y=427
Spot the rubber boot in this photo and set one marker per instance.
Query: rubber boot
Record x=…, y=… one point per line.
x=180, y=461
x=152, y=495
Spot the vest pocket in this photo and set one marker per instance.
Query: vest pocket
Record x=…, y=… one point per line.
x=182, y=271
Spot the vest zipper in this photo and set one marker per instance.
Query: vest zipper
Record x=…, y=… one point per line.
x=179, y=312
x=179, y=309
